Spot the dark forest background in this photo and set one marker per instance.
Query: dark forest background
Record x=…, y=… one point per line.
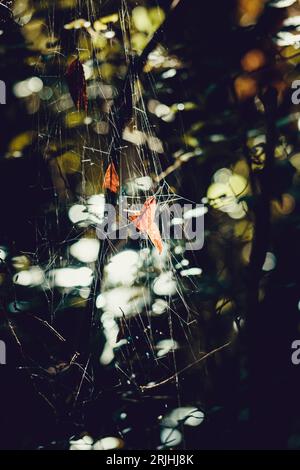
x=214, y=82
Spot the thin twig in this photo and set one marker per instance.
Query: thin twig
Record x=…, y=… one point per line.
x=190, y=366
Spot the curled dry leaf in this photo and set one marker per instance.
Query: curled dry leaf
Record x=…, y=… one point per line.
x=111, y=179
x=145, y=223
x=77, y=85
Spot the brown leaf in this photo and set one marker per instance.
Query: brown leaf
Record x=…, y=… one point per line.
x=77, y=85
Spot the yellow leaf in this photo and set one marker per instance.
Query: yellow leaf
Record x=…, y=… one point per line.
x=18, y=143
x=69, y=162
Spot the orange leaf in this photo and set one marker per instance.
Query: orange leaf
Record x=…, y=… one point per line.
x=145, y=223
x=155, y=237
x=111, y=179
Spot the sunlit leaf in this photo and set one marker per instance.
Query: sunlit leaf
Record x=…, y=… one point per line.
x=111, y=179
x=145, y=223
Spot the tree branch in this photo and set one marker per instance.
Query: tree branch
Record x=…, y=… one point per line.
x=262, y=211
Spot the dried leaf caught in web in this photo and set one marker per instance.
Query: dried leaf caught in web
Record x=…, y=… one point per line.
x=111, y=179
x=77, y=84
x=155, y=237
x=145, y=223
